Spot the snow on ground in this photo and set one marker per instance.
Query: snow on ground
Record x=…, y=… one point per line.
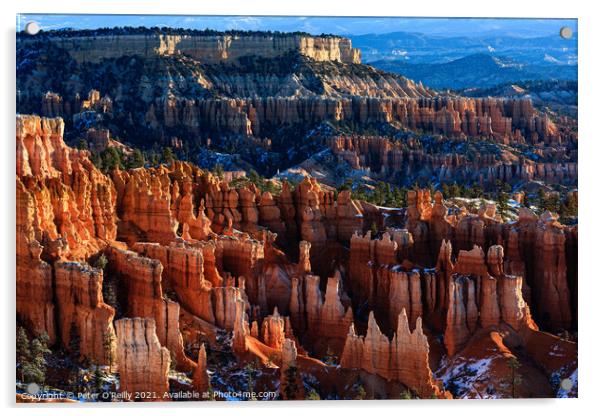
x=567, y=387
x=460, y=378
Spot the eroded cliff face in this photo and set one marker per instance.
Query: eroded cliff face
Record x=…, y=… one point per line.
x=405, y=358
x=73, y=202
x=206, y=48
x=383, y=157
x=82, y=311
x=192, y=257
x=143, y=362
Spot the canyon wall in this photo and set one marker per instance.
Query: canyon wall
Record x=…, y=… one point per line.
x=189, y=255
x=385, y=157
x=204, y=48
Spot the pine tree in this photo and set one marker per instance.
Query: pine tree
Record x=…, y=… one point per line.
x=99, y=380
x=313, y=395
x=101, y=262
x=541, y=197
x=97, y=161
x=23, y=351
x=515, y=379
x=374, y=228
x=250, y=373
x=218, y=170
x=290, y=383
x=502, y=203
x=34, y=370
x=109, y=294
x=330, y=357
x=360, y=393
x=167, y=155
x=210, y=391
x=74, y=342
x=136, y=160
x=82, y=144
x=526, y=200
x=476, y=191
x=107, y=343
x=111, y=159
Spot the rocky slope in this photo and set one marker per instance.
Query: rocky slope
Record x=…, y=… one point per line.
x=214, y=277
x=262, y=98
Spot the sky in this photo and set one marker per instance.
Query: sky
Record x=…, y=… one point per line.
x=315, y=25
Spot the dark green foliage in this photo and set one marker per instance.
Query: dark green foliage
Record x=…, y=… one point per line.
x=313, y=395
x=515, y=379
x=374, y=228
x=111, y=159
x=526, y=200
x=74, y=342
x=82, y=144
x=405, y=395
x=383, y=194
x=23, y=351
x=452, y=191
x=330, y=357
x=163, y=30
x=263, y=184
x=502, y=203
x=250, y=370
x=569, y=208
x=108, y=341
x=551, y=203
x=167, y=156
x=218, y=170
x=109, y=293
x=98, y=380
x=502, y=189
x=34, y=368
x=135, y=160
x=360, y=393
x=101, y=262
x=291, y=387
x=476, y=191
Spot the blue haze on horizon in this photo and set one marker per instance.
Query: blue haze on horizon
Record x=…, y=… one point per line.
x=346, y=26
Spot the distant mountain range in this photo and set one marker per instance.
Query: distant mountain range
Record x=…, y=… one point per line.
x=420, y=48
x=345, y=26
x=476, y=71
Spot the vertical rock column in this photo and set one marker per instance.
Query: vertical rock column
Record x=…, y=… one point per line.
x=143, y=362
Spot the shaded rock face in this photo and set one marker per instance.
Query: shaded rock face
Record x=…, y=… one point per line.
x=550, y=297
x=405, y=358
x=143, y=362
x=34, y=297
x=80, y=307
x=184, y=272
x=384, y=158
x=473, y=292
x=320, y=317
x=142, y=279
